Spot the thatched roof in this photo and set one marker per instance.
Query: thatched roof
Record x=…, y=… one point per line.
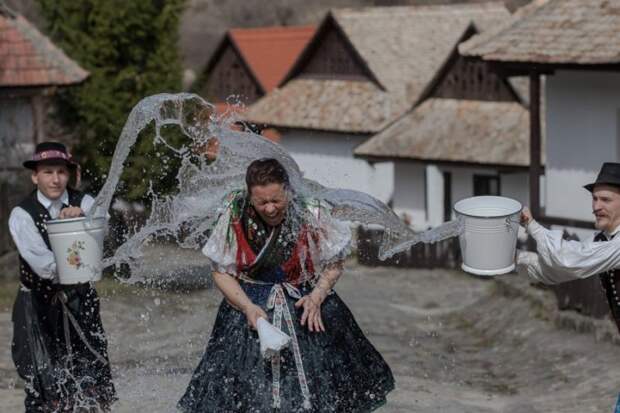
x=336, y=105
x=405, y=46
x=461, y=131
x=402, y=47
x=555, y=32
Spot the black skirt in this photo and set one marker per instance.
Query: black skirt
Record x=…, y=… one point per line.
x=344, y=372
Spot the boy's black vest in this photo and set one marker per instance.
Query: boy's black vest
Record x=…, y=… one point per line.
x=611, y=286
x=39, y=215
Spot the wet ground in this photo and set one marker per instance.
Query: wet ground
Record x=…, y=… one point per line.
x=455, y=343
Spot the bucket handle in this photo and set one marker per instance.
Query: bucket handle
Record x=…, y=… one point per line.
x=509, y=223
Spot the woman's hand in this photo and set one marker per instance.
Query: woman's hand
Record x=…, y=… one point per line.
x=311, y=304
x=253, y=313
x=237, y=298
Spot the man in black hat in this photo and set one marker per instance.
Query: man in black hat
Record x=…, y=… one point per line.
x=59, y=346
x=560, y=260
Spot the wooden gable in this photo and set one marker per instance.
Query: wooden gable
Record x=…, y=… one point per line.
x=227, y=74
x=469, y=79
x=330, y=55
x=472, y=80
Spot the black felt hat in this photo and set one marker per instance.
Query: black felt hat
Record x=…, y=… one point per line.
x=609, y=175
x=50, y=152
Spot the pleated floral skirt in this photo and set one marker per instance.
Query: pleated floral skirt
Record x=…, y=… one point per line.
x=333, y=371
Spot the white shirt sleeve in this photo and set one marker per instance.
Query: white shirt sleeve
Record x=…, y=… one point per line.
x=562, y=260
x=30, y=244
x=221, y=247
x=87, y=203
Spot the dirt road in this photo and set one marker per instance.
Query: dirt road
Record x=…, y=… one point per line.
x=457, y=344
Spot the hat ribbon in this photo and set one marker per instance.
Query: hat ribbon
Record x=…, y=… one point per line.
x=50, y=154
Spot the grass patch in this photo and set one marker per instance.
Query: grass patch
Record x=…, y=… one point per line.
x=107, y=287
x=111, y=287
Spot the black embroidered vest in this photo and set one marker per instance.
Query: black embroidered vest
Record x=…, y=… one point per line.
x=610, y=281
x=611, y=285
x=39, y=215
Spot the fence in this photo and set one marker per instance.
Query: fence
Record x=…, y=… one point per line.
x=584, y=296
x=5, y=239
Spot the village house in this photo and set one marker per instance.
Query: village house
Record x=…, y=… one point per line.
x=364, y=69
x=31, y=71
x=466, y=136
x=575, y=45
x=249, y=63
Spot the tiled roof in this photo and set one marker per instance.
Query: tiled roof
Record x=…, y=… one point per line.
x=228, y=109
x=271, y=51
x=554, y=31
x=402, y=46
x=28, y=58
x=451, y=130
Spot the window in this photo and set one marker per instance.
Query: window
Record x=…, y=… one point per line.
x=486, y=185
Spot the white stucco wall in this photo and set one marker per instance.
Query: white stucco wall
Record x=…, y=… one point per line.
x=582, y=128
x=513, y=185
x=410, y=193
x=434, y=193
x=418, y=189
x=328, y=159
x=516, y=186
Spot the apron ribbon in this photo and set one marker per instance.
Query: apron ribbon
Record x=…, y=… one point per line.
x=277, y=302
x=67, y=317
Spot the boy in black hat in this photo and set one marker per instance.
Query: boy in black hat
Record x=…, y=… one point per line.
x=560, y=260
x=59, y=346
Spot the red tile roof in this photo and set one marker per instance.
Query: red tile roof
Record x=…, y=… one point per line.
x=225, y=109
x=28, y=58
x=271, y=51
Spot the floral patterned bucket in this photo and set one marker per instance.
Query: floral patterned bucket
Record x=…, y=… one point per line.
x=77, y=244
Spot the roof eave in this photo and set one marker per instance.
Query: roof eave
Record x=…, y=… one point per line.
x=441, y=162
x=524, y=67
x=310, y=128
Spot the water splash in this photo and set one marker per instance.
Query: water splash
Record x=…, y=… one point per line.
x=187, y=215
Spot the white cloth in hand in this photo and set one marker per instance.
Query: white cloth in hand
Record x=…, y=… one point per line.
x=272, y=339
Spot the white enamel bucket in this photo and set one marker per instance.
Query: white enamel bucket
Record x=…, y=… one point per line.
x=489, y=237
x=77, y=244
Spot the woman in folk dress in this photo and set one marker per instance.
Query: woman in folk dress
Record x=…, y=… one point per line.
x=277, y=256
